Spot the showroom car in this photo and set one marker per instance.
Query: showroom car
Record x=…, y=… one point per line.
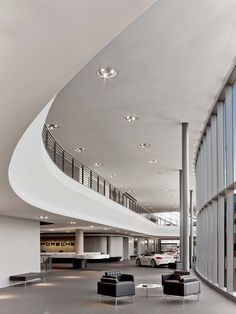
x=154, y=259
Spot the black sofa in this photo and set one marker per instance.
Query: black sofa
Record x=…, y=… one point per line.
x=181, y=284
x=116, y=285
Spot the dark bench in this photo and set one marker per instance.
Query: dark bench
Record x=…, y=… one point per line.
x=27, y=277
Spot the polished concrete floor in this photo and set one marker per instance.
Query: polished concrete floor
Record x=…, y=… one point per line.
x=69, y=291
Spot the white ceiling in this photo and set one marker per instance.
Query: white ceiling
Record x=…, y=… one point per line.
x=42, y=45
x=172, y=63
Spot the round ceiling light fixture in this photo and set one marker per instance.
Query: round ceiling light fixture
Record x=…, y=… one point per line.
x=98, y=164
x=52, y=126
x=130, y=118
x=107, y=73
x=80, y=149
x=144, y=145
x=153, y=161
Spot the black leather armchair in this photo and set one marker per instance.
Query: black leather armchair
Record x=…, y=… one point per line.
x=116, y=285
x=181, y=284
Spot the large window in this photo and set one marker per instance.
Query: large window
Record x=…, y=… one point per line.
x=225, y=143
x=234, y=238
x=234, y=129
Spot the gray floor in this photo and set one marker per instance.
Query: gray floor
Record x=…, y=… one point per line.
x=69, y=291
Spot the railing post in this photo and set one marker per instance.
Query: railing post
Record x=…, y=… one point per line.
x=55, y=152
x=91, y=179
x=109, y=190
x=98, y=184
x=72, y=168
x=82, y=174
x=63, y=161
x=104, y=187
x=46, y=138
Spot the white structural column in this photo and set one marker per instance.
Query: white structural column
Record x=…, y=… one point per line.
x=230, y=193
x=181, y=212
x=79, y=242
x=185, y=173
x=191, y=227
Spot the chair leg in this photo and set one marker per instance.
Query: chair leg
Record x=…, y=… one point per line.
x=198, y=296
x=116, y=302
x=132, y=299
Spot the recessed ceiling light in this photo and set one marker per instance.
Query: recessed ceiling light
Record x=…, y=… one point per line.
x=52, y=229
x=98, y=164
x=144, y=145
x=131, y=191
x=46, y=217
x=72, y=222
x=52, y=126
x=112, y=176
x=80, y=149
x=131, y=118
x=107, y=73
x=105, y=228
x=153, y=161
x=91, y=226
x=41, y=217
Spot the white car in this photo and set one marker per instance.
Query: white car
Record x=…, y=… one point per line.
x=154, y=259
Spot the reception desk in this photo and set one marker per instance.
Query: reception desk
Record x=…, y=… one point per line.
x=77, y=260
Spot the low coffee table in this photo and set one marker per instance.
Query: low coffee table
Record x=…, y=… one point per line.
x=148, y=286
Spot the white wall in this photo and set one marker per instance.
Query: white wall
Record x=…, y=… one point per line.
x=95, y=244
x=20, y=247
x=141, y=246
x=131, y=246
x=126, y=248
x=116, y=246
x=67, y=197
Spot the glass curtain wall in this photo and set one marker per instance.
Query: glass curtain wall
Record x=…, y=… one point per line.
x=216, y=194
x=234, y=175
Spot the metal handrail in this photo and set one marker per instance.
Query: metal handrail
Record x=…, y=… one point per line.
x=89, y=178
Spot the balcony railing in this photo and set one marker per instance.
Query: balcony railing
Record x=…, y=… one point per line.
x=82, y=174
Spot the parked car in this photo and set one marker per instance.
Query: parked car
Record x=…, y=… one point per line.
x=154, y=259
